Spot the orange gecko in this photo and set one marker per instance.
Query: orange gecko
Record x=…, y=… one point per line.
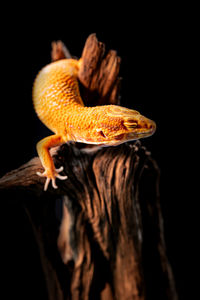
x=59, y=106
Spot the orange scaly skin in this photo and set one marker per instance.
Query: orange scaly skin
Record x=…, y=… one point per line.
x=58, y=104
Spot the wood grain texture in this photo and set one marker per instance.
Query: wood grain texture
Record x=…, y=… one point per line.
x=112, y=230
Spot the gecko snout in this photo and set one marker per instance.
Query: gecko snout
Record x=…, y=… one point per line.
x=146, y=125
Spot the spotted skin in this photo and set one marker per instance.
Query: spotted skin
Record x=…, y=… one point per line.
x=58, y=104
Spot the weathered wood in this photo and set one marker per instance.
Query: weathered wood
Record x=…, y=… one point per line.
x=92, y=55
x=59, y=51
x=107, y=221
x=99, y=74
x=111, y=239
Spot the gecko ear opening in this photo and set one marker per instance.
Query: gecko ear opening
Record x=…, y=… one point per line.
x=102, y=134
x=100, y=131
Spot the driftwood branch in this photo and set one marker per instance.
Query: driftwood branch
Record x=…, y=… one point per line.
x=111, y=239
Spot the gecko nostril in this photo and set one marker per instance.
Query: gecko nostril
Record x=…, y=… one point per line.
x=152, y=126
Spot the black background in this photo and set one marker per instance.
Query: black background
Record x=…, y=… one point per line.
x=155, y=46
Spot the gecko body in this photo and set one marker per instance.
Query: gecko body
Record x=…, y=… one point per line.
x=59, y=106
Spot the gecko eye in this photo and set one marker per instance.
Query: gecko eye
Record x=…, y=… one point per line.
x=133, y=125
x=130, y=124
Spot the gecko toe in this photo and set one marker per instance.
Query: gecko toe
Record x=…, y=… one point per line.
x=54, y=183
x=40, y=174
x=46, y=183
x=60, y=169
x=61, y=177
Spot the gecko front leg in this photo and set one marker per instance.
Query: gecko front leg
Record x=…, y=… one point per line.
x=50, y=172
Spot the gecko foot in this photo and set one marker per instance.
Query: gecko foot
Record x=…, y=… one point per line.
x=52, y=177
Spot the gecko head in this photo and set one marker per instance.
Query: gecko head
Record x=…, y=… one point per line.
x=126, y=125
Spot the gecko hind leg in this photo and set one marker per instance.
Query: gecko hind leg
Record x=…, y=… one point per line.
x=50, y=172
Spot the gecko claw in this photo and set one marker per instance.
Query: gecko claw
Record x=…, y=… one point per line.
x=52, y=177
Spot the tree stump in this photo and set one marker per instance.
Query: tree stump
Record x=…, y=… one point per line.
x=110, y=244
